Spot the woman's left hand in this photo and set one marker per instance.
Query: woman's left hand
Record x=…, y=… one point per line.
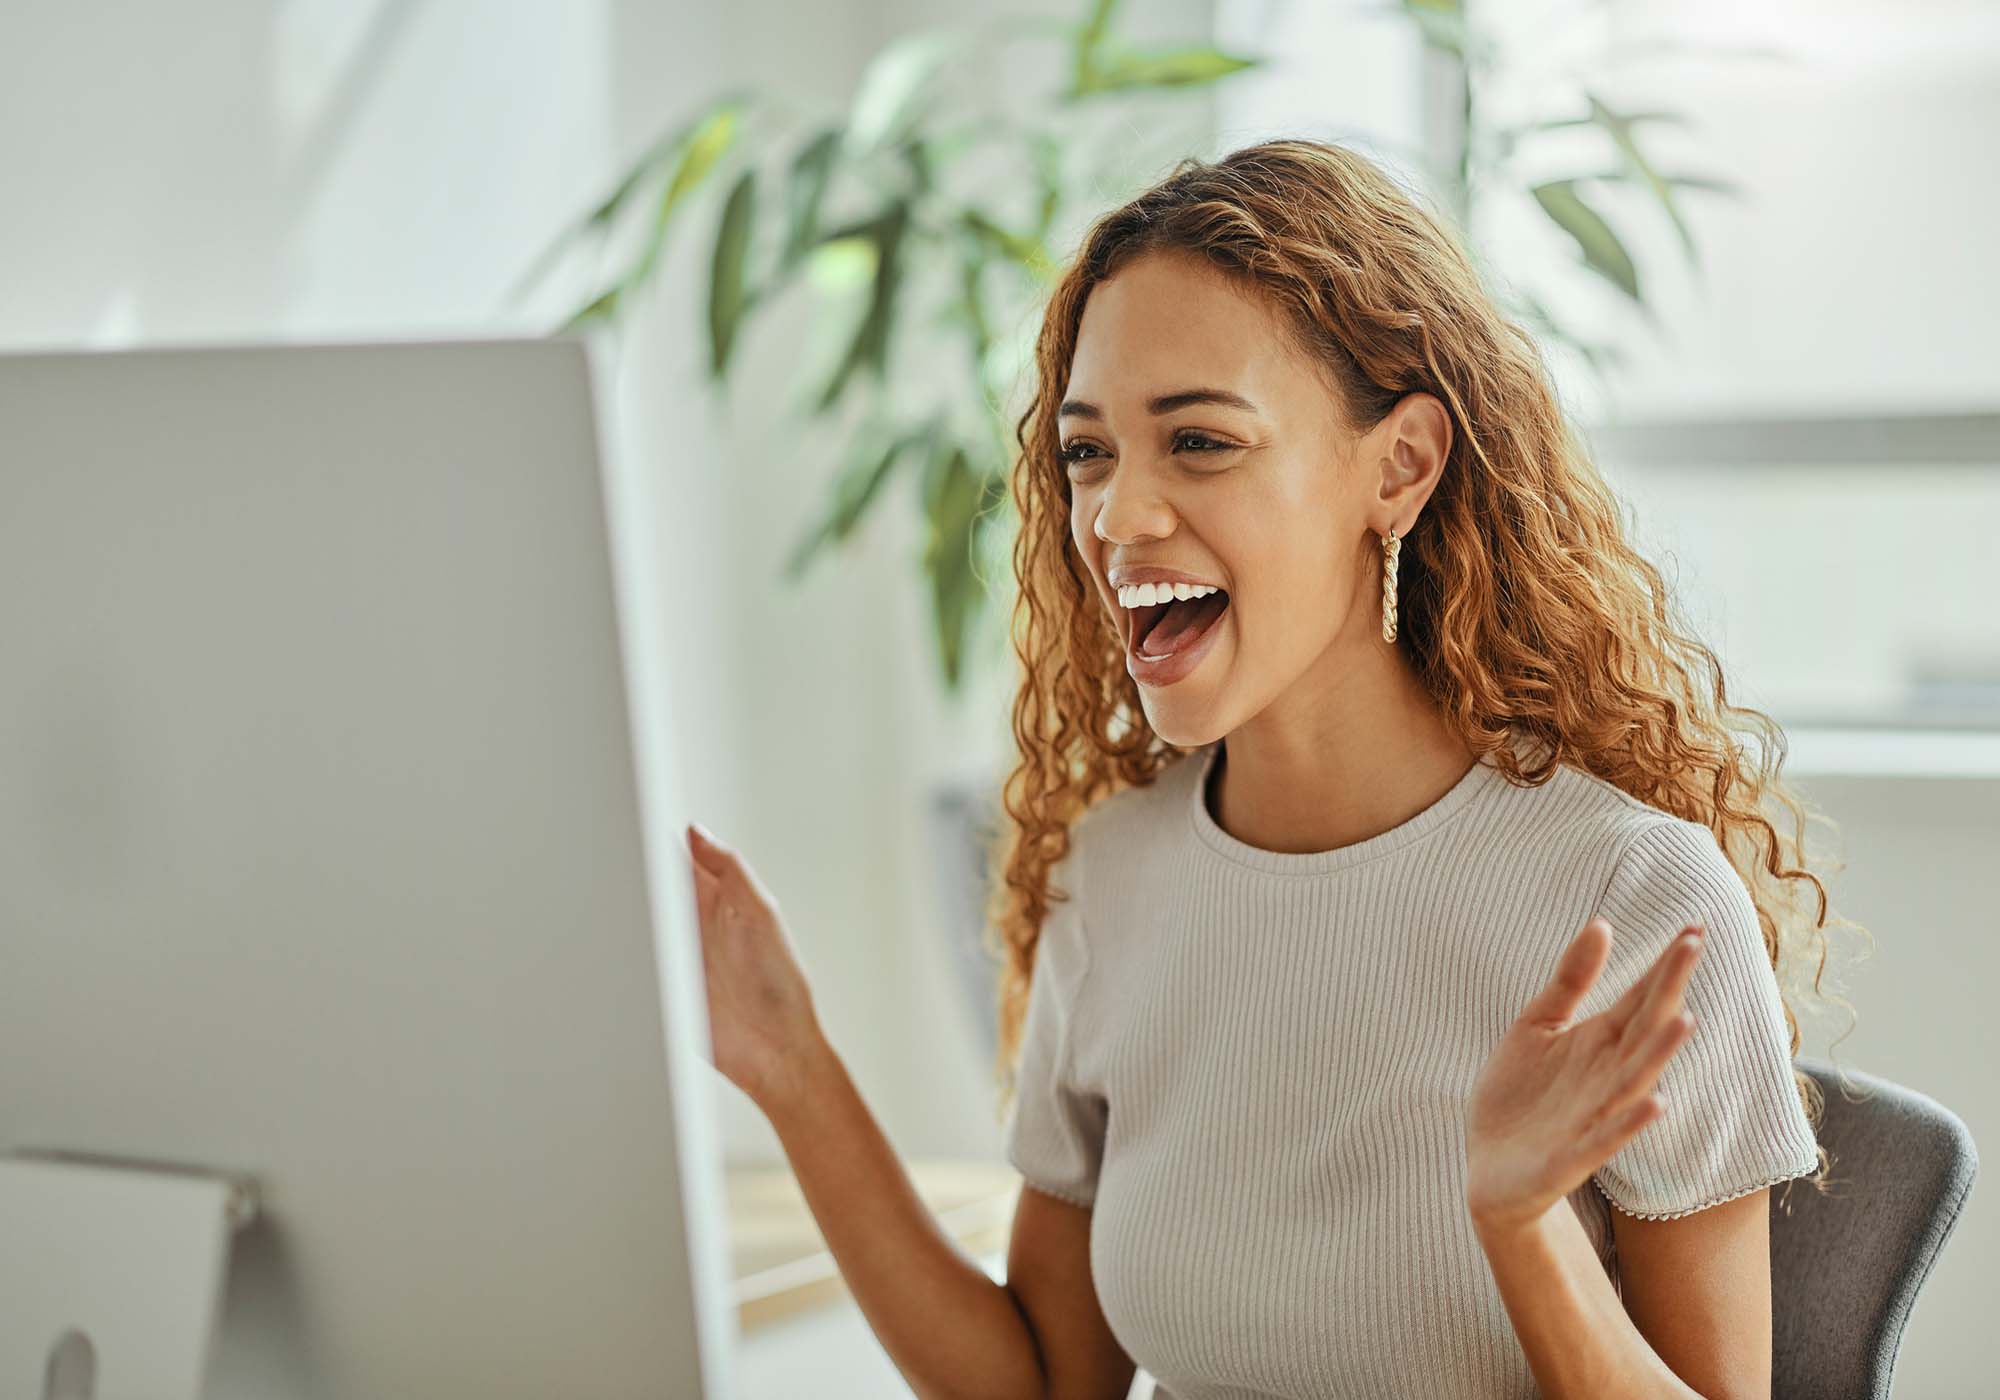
x=1555, y=1100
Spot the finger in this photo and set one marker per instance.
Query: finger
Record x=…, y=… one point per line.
x=1663, y=984
x=1620, y=1127
x=706, y=889
x=705, y=848
x=1648, y=1055
x=1636, y=996
x=1576, y=972
x=1671, y=986
x=723, y=862
x=1637, y=1071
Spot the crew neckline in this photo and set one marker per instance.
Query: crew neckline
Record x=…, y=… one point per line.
x=1480, y=778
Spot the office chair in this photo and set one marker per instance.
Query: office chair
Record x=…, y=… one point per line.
x=1846, y=1267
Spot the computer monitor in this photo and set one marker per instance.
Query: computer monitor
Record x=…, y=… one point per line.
x=339, y=851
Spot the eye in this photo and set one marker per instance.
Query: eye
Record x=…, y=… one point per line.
x=1209, y=444
x=1198, y=442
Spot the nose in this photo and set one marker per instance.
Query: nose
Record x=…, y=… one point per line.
x=1129, y=510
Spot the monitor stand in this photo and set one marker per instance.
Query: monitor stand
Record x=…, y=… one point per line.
x=112, y=1276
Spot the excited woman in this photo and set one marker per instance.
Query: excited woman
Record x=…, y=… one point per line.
x=1391, y=1010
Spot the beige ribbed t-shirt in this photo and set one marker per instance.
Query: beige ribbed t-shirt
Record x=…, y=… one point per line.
x=1253, y=1066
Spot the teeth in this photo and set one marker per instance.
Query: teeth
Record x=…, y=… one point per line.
x=1146, y=595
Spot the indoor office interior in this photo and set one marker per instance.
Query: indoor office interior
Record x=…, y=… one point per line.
x=447, y=449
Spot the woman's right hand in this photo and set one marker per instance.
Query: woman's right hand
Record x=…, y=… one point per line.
x=762, y=1026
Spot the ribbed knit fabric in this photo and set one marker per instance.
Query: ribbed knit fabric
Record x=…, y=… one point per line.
x=1254, y=1066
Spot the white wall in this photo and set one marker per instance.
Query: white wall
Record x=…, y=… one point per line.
x=285, y=171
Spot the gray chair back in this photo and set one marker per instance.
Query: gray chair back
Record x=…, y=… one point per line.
x=1846, y=1267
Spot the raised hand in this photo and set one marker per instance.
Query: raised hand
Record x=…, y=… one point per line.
x=1554, y=1100
x=761, y=1021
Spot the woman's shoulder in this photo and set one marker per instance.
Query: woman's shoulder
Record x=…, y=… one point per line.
x=1140, y=814
x=1649, y=866
x=1577, y=809
x=1126, y=825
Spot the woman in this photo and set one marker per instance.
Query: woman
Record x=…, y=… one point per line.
x=1389, y=1018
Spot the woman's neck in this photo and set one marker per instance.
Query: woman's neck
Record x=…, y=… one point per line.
x=1321, y=778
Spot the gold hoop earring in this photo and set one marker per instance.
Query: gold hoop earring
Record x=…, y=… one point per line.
x=1391, y=547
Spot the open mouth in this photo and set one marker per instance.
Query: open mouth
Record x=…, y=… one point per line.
x=1161, y=630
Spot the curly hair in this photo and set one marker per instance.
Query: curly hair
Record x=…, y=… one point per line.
x=1523, y=608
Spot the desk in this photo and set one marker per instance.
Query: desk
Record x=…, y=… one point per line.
x=799, y=1330
x=782, y=1265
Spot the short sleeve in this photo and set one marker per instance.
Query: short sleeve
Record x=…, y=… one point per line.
x=1733, y=1121
x=1054, y=1130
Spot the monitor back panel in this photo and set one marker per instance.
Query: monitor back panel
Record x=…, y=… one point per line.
x=321, y=856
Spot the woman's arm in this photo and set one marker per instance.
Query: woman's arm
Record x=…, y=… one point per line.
x=1557, y=1097
x=1698, y=1290
x=952, y=1331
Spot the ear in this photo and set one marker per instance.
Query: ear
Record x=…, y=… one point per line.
x=1416, y=437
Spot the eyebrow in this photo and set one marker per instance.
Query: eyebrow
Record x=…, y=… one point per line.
x=1164, y=403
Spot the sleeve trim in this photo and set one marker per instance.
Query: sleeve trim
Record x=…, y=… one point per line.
x=1069, y=1197
x=1789, y=1174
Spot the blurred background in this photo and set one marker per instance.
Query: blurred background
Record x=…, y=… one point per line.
x=1757, y=241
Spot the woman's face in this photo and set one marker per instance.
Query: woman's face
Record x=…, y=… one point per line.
x=1200, y=443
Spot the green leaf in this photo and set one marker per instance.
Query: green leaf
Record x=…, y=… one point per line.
x=856, y=488
x=1440, y=22
x=1028, y=252
x=1602, y=250
x=805, y=195
x=1090, y=36
x=1712, y=183
x=693, y=148
x=605, y=308
x=953, y=495
x=1620, y=127
x=891, y=91
x=1189, y=66
x=710, y=140
x=971, y=306
x=1631, y=119
x=661, y=149
x=870, y=346
x=917, y=155
x=600, y=217
x=1046, y=151
x=728, y=297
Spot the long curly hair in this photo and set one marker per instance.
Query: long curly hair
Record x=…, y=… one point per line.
x=1521, y=604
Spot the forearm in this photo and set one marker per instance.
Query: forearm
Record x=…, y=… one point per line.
x=1579, y=1340
x=951, y=1330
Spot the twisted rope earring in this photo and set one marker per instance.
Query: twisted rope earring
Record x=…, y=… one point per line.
x=1391, y=547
